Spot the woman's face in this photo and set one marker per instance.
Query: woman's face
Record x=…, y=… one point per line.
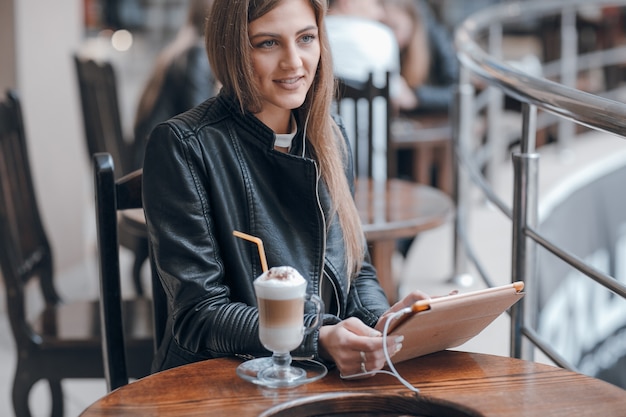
x=401, y=23
x=285, y=54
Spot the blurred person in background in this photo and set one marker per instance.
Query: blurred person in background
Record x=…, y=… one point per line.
x=428, y=62
x=180, y=80
x=359, y=42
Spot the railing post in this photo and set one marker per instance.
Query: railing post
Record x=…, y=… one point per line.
x=495, y=147
x=525, y=213
x=529, y=128
x=569, y=69
x=462, y=113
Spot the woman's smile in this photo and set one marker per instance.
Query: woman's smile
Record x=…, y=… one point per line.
x=291, y=83
x=285, y=55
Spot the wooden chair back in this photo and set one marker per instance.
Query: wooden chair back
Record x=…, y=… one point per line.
x=103, y=133
x=25, y=252
x=97, y=84
x=62, y=340
x=368, y=107
x=112, y=198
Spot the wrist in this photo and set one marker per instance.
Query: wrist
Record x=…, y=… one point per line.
x=321, y=348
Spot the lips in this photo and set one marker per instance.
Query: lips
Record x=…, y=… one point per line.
x=292, y=80
x=290, y=83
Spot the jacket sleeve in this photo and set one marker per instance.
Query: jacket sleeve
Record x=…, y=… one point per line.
x=205, y=322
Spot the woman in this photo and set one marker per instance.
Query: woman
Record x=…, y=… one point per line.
x=265, y=158
x=428, y=62
x=180, y=80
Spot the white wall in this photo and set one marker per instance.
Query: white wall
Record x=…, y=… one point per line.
x=47, y=33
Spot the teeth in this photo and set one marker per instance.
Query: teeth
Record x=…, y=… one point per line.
x=290, y=81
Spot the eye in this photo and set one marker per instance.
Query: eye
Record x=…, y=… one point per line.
x=308, y=38
x=268, y=43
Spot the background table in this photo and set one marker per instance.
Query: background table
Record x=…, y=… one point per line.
x=428, y=137
x=396, y=209
x=482, y=384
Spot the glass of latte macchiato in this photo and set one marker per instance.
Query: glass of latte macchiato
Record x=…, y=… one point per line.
x=281, y=296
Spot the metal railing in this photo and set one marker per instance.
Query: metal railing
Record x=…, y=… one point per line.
x=478, y=41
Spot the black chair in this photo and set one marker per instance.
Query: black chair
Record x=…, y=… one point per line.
x=112, y=197
x=103, y=133
x=363, y=132
x=63, y=340
x=374, y=184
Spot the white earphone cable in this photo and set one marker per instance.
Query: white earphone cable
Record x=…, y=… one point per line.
x=392, y=368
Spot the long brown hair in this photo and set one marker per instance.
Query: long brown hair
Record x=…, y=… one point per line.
x=229, y=51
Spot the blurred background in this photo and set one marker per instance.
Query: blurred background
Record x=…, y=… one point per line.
x=38, y=39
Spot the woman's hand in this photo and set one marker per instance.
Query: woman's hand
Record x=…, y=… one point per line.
x=404, y=303
x=405, y=98
x=354, y=347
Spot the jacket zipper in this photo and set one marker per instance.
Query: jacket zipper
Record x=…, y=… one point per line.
x=326, y=277
x=321, y=210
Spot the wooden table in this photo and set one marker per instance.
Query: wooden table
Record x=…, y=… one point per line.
x=470, y=384
x=393, y=210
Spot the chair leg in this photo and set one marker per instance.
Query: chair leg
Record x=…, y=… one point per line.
x=141, y=254
x=22, y=384
x=56, y=391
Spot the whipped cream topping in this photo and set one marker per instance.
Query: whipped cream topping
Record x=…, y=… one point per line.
x=282, y=276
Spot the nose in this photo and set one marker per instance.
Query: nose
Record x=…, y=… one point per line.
x=291, y=57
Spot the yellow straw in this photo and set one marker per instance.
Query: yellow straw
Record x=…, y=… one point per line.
x=259, y=244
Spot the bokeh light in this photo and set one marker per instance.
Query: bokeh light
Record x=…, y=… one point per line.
x=122, y=40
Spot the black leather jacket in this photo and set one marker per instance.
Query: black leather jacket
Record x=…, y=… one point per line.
x=213, y=170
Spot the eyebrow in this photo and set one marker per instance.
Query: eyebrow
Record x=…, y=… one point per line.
x=276, y=35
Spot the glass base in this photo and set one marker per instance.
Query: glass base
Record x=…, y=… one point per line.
x=261, y=371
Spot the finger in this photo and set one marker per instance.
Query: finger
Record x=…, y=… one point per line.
x=374, y=355
x=453, y=292
x=376, y=358
x=414, y=296
x=359, y=328
x=409, y=300
x=394, y=345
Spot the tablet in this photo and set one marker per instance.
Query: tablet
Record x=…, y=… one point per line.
x=446, y=322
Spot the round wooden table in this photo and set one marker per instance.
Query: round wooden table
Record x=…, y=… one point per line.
x=451, y=383
x=396, y=209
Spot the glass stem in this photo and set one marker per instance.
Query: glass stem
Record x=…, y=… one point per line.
x=281, y=360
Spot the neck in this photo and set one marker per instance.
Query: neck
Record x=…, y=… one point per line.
x=279, y=123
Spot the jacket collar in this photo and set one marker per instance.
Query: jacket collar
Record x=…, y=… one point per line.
x=258, y=130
